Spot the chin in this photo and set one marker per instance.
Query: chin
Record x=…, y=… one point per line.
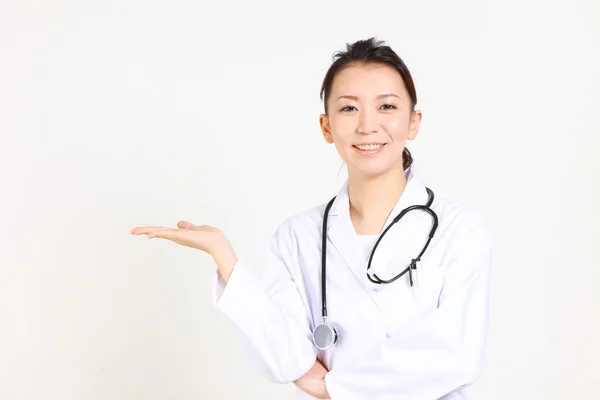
x=373, y=170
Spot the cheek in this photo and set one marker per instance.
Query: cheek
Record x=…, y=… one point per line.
x=396, y=127
x=342, y=129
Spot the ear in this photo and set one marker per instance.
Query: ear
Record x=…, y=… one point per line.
x=415, y=122
x=325, y=128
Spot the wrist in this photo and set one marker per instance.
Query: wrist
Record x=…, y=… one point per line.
x=225, y=258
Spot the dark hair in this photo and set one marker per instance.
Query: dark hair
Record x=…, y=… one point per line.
x=370, y=51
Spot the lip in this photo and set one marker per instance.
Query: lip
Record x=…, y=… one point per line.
x=369, y=152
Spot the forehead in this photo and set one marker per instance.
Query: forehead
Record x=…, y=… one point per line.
x=367, y=79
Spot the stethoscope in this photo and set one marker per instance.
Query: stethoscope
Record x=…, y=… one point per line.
x=325, y=335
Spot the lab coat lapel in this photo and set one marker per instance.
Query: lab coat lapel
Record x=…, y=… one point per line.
x=342, y=235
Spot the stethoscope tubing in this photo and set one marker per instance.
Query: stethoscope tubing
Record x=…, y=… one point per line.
x=375, y=279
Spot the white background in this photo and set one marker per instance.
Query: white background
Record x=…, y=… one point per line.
x=125, y=113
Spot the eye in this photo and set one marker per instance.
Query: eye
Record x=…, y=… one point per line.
x=388, y=107
x=347, y=108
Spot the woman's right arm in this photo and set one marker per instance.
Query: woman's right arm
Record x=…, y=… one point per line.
x=270, y=315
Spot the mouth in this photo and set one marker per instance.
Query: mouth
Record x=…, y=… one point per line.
x=368, y=149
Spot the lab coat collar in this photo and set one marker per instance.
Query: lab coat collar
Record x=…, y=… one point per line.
x=414, y=193
x=343, y=237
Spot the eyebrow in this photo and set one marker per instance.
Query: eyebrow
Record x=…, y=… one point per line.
x=381, y=96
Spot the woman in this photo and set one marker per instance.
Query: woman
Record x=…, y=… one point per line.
x=410, y=319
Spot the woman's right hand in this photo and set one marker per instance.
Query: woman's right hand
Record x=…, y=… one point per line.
x=206, y=238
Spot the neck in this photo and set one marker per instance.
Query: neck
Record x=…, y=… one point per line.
x=373, y=198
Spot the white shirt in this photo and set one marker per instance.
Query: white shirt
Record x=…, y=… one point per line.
x=366, y=243
x=396, y=341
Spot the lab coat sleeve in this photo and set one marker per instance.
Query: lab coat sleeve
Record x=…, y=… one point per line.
x=270, y=314
x=441, y=351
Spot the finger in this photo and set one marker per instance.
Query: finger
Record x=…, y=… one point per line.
x=185, y=225
x=141, y=230
x=169, y=234
x=188, y=225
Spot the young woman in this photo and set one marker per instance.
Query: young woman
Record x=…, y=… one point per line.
x=380, y=293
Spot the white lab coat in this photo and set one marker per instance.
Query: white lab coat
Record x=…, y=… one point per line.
x=396, y=341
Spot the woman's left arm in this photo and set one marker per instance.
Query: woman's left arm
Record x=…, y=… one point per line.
x=440, y=352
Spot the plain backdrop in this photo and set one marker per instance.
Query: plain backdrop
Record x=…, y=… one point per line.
x=115, y=114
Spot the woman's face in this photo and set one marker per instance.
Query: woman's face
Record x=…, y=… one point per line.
x=370, y=118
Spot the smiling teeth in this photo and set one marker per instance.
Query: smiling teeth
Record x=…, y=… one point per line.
x=369, y=146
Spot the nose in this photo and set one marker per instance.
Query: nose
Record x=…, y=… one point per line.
x=367, y=123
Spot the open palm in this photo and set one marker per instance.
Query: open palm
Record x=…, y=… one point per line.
x=205, y=238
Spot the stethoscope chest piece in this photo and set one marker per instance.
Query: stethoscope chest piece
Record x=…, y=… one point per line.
x=324, y=336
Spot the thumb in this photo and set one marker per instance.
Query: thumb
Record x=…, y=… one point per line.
x=187, y=225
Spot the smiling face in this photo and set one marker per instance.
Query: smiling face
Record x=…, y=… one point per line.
x=369, y=119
